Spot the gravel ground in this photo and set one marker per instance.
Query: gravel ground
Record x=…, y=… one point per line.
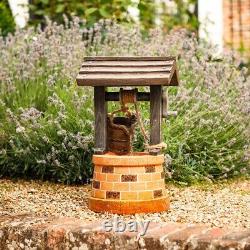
x=224, y=204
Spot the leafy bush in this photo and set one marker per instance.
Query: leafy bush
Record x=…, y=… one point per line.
x=92, y=11
x=182, y=13
x=6, y=20
x=170, y=14
x=46, y=121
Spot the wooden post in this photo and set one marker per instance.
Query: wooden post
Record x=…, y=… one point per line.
x=100, y=120
x=155, y=117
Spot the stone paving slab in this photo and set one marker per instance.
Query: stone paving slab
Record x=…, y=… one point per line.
x=27, y=231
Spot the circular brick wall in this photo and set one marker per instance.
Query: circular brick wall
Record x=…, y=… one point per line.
x=128, y=184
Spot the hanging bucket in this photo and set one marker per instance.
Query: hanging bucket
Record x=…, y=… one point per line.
x=120, y=134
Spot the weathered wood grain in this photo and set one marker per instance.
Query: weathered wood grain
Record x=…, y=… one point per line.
x=122, y=79
x=115, y=96
x=126, y=63
x=125, y=69
x=155, y=116
x=128, y=71
x=130, y=58
x=100, y=120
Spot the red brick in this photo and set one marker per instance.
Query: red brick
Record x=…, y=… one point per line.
x=145, y=195
x=247, y=244
x=128, y=195
x=64, y=232
x=185, y=233
x=204, y=240
x=235, y=239
x=237, y=235
x=212, y=234
x=164, y=229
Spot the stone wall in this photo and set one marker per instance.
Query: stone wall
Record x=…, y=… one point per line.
x=31, y=232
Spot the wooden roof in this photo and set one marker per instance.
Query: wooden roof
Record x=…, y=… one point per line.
x=128, y=71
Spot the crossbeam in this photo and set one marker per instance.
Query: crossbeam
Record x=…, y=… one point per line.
x=115, y=96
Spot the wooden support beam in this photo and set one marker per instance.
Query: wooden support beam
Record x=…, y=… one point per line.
x=129, y=58
x=100, y=120
x=155, y=117
x=114, y=96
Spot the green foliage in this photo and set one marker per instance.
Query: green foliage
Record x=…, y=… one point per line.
x=185, y=15
x=6, y=20
x=92, y=11
x=147, y=13
x=46, y=121
x=168, y=15
x=210, y=153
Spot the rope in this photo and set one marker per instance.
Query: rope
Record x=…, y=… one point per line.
x=138, y=115
x=129, y=96
x=146, y=139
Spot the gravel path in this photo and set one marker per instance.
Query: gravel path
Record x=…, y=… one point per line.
x=216, y=205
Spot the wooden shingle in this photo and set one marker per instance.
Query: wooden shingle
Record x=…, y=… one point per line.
x=128, y=71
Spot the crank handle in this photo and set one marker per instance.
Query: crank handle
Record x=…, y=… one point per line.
x=169, y=113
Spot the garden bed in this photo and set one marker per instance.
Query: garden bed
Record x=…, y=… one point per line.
x=219, y=205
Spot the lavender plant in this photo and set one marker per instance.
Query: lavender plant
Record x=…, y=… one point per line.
x=46, y=121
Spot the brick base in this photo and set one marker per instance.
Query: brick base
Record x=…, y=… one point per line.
x=128, y=184
x=129, y=207
x=31, y=232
